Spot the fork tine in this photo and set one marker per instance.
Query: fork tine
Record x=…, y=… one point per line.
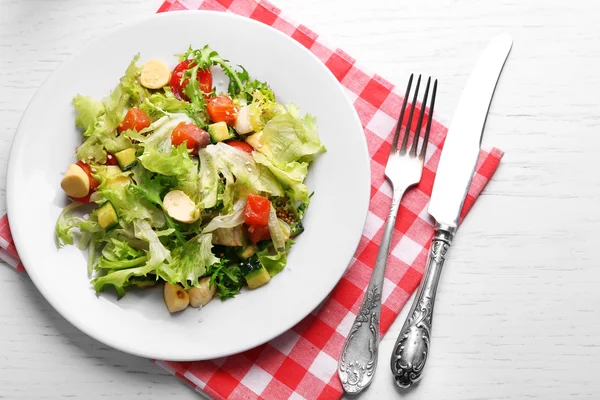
x=410, y=117
x=431, y=107
x=399, y=125
x=415, y=143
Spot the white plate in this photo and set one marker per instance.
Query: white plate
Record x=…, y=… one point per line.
x=139, y=323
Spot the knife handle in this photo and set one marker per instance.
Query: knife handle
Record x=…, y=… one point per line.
x=412, y=346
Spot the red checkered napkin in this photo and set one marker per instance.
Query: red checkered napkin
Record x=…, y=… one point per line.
x=301, y=363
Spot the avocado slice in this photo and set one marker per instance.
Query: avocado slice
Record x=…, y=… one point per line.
x=126, y=158
x=219, y=132
x=248, y=251
x=257, y=278
x=107, y=216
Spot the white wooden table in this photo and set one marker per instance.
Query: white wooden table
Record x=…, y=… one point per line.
x=517, y=315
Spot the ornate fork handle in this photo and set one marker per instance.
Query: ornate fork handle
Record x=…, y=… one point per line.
x=412, y=346
x=358, y=360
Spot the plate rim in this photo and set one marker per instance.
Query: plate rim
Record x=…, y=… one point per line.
x=19, y=239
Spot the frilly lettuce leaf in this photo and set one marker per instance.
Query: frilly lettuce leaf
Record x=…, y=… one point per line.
x=156, y=255
x=274, y=263
x=88, y=110
x=100, y=122
x=189, y=262
x=231, y=162
x=287, y=138
x=231, y=220
x=291, y=176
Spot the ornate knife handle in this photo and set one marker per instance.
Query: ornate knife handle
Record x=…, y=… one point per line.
x=412, y=346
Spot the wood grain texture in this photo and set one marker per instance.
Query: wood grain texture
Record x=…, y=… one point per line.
x=517, y=312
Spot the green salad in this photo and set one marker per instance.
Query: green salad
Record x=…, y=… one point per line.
x=176, y=183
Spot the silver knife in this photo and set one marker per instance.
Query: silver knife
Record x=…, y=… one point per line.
x=452, y=181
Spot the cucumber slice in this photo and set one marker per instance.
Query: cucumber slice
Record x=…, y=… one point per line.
x=257, y=278
x=126, y=158
x=248, y=251
x=107, y=216
x=219, y=132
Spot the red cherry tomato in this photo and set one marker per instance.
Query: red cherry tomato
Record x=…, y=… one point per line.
x=256, y=212
x=258, y=233
x=222, y=109
x=88, y=171
x=111, y=160
x=204, y=77
x=135, y=119
x=84, y=200
x=243, y=146
x=195, y=137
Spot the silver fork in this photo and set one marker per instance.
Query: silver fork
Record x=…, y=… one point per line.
x=358, y=361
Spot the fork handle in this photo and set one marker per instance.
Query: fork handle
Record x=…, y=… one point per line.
x=412, y=346
x=358, y=361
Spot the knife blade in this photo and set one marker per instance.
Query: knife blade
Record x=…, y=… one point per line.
x=463, y=141
x=450, y=187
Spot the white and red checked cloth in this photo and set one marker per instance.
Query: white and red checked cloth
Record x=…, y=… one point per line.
x=301, y=363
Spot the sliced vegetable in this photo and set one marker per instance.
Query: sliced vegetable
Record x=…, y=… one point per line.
x=248, y=251
x=180, y=207
x=179, y=81
x=135, y=119
x=258, y=233
x=276, y=231
x=88, y=171
x=76, y=182
x=219, y=132
x=194, y=137
x=176, y=298
x=243, y=146
x=126, y=159
x=242, y=121
x=202, y=293
x=111, y=160
x=233, y=237
x=254, y=141
x=222, y=109
x=107, y=216
x=257, y=278
x=257, y=210
x=155, y=74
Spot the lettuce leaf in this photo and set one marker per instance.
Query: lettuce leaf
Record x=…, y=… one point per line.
x=65, y=223
x=189, y=262
x=287, y=138
x=291, y=176
x=160, y=104
x=231, y=162
x=235, y=218
x=274, y=263
x=159, y=155
x=102, y=134
x=88, y=110
x=129, y=205
x=156, y=255
x=208, y=180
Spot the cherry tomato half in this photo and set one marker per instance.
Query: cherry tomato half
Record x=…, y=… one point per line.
x=258, y=233
x=93, y=182
x=196, y=138
x=257, y=210
x=222, y=109
x=88, y=171
x=135, y=119
x=111, y=160
x=243, y=146
x=204, y=77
